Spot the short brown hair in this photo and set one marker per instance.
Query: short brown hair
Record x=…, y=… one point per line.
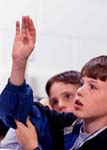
x=68, y=77
x=96, y=68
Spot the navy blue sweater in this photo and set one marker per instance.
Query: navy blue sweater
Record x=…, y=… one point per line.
x=16, y=103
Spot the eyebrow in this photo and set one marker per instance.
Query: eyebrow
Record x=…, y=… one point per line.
x=90, y=80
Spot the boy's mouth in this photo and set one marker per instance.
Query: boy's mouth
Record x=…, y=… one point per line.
x=78, y=104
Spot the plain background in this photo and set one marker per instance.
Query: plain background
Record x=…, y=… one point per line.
x=69, y=33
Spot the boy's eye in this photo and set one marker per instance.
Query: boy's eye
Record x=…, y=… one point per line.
x=93, y=87
x=68, y=96
x=81, y=82
x=53, y=102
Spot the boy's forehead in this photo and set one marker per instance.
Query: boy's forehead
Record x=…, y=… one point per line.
x=89, y=79
x=85, y=78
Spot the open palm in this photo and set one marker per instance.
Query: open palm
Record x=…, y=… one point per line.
x=24, y=39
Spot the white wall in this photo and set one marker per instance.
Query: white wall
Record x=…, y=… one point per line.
x=68, y=34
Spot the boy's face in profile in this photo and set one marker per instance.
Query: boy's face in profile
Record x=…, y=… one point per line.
x=91, y=99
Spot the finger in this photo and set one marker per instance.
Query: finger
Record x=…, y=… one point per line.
x=32, y=29
x=19, y=124
x=23, y=25
x=28, y=122
x=17, y=28
x=27, y=25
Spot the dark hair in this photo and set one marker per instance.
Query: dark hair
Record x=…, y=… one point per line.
x=68, y=77
x=96, y=68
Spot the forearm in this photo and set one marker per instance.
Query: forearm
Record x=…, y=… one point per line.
x=18, y=72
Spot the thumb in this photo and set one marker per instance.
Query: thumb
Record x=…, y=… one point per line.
x=28, y=122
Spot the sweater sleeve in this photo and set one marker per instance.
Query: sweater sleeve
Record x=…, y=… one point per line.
x=15, y=103
x=57, y=119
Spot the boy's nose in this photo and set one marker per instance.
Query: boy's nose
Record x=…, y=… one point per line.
x=61, y=106
x=80, y=91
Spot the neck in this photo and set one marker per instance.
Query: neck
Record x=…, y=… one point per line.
x=92, y=125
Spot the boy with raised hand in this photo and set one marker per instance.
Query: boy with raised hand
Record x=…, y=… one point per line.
x=16, y=101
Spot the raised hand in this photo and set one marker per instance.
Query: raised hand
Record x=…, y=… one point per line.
x=25, y=39
x=23, y=46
